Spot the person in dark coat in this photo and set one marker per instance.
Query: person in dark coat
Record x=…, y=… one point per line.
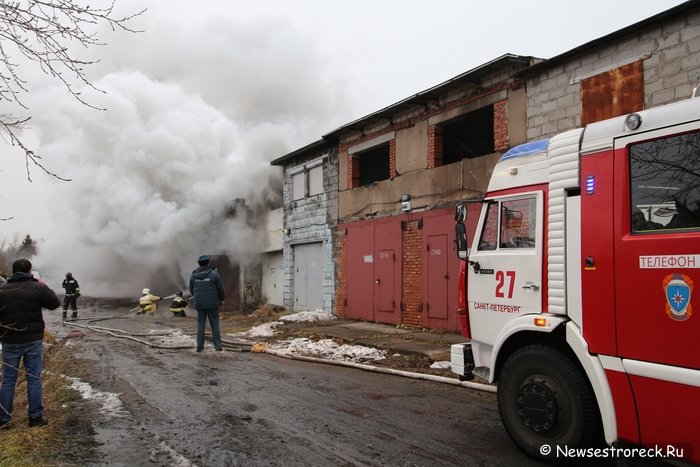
x=21, y=335
x=207, y=289
x=72, y=294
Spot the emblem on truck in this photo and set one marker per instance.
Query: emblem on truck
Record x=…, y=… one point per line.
x=679, y=289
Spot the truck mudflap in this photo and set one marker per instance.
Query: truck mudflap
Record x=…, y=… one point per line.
x=462, y=361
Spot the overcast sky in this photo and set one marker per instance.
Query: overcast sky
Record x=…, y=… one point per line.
x=245, y=82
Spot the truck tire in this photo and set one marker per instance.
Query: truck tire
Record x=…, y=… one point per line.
x=544, y=399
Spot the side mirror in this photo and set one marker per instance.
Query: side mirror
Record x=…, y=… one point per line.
x=461, y=240
x=461, y=213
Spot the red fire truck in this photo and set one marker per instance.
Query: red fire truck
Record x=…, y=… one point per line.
x=576, y=292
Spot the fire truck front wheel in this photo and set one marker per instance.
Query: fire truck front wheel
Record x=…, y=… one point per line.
x=546, y=403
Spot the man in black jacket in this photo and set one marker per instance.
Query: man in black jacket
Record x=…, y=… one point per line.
x=21, y=335
x=207, y=289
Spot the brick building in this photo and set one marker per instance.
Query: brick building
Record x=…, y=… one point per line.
x=400, y=171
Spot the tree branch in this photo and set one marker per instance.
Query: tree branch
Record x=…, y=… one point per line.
x=43, y=32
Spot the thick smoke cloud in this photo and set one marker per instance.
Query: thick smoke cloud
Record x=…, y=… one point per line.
x=178, y=163
x=155, y=183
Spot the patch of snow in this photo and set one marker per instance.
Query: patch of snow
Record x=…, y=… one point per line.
x=329, y=349
x=174, y=459
x=268, y=329
x=264, y=330
x=307, y=316
x=110, y=402
x=443, y=365
x=174, y=338
x=210, y=352
x=159, y=332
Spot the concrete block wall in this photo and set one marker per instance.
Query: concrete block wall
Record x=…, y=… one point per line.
x=671, y=59
x=312, y=219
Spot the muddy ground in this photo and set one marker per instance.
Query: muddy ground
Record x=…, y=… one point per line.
x=239, y=408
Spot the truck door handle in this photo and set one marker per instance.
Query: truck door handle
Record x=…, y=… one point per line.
x=531, y=286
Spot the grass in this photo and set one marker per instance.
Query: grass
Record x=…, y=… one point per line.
x=69, y=436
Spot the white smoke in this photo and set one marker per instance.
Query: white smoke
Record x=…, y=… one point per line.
x=156, y=180
x=178, y=163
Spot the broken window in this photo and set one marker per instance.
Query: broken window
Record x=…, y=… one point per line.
x=612, y=93
x=374, y=164
x=468, y=136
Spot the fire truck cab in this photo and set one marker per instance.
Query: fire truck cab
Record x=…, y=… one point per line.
x=576, y=289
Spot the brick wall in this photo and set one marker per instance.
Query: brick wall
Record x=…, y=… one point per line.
x=392, y=158
x=455, y=100
x=500, y=126
x=434, y=146
x=412, y=271
x=341, y=267
x=353, y=170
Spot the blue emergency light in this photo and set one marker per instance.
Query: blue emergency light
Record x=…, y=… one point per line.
x=590, y=184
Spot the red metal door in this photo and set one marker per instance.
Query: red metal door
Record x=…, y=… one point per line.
x=360, y=272
x=440, y=271
x=387, y=272
x=658, y=258
x=657, y=265
x=384, y=284
x=438, y=277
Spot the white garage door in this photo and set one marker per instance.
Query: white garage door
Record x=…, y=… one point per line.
x=308, y=276
x=272, y=278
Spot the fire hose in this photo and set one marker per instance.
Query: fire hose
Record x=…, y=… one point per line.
x=228, y=345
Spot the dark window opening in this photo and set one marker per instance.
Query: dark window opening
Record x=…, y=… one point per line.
x=468, y=136
x=374, y=164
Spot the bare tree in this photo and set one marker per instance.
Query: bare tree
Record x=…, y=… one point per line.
x=47, y=33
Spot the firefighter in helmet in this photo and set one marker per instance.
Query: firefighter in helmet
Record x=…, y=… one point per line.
x=177, y=307
x=148, y=302
x=72, y=294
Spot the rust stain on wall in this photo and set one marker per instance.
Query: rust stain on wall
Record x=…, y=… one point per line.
x=613, y=93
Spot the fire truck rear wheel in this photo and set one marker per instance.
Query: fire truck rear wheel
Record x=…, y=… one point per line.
x=544, y=399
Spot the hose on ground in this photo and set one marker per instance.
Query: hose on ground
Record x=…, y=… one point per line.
x=228, y=345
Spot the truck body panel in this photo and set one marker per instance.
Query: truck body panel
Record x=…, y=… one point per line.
x=595, y=231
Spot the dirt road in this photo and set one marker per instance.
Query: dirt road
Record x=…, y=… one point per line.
x=230, y=408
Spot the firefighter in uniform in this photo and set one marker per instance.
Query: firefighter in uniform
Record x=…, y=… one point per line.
x=177, y=307
x=72, y=293
x=148, y=302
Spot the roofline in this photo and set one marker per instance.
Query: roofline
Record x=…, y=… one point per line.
x=420, y=97
x=671, y=12
x=309, y=147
